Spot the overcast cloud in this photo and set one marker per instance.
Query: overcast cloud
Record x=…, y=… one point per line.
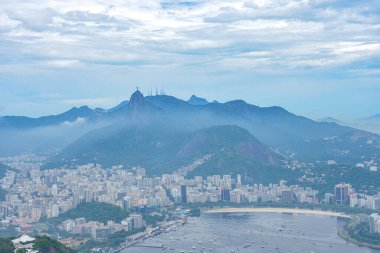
x=314, y=57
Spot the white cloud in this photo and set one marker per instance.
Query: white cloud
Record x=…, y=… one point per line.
x=63, y=63
x=255, y=54
x=286, y=34
x=78, y=121
x=246, y=63
x=357, y=47
x=7, y=23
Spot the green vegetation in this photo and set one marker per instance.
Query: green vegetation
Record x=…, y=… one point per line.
x=169, y=194
x=153, y=219
x=195, y=212
x=45, y=244
x=94, y=211
x=151, y=148
x=323, y=207
x=362, y=180
x=6, y=245
x=232, y=162
x=358, y=232
x=165, y=149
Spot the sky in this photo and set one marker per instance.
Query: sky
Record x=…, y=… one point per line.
x=316, y=58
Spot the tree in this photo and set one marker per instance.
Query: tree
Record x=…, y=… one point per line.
x=6, y=246
x=45, y=244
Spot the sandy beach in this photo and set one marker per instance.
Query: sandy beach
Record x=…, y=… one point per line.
x=278, y=210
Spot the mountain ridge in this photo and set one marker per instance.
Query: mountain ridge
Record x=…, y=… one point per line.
x=293, y=136
x=162, y=151
x=194, y=100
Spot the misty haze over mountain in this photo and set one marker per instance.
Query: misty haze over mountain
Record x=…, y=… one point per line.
x=371, y=124
x=189, y=126
x=171, y=133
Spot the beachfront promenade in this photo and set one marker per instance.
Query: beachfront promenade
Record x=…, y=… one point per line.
x=278, y=210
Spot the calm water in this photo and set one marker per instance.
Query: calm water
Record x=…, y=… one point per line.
x=265, y=232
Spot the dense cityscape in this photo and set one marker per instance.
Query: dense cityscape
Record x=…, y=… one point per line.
x=33, y=195
x=188, y=126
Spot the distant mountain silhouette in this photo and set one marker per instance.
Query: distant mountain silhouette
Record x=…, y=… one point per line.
x=194, y=100
x=151, y=131
x=163, y=150
x=333, y=120
x=69, y=116
x=375, y=117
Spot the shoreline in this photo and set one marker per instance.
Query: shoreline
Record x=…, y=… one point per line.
x=345, y=235
x=278, y=210
x=342, y=233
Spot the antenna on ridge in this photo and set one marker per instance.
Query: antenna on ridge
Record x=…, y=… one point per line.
x=162, y=90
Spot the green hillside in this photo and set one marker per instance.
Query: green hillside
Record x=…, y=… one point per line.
x=163, y=150
x=230, y=162
x=43, y=244
x=94, y=211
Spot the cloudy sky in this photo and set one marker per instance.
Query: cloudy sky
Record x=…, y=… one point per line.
x=314, y=57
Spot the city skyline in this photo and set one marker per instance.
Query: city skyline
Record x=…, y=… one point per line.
x=189, y=126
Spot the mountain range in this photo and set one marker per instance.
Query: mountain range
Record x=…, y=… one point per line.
x=371, y=124
x=164, y=133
